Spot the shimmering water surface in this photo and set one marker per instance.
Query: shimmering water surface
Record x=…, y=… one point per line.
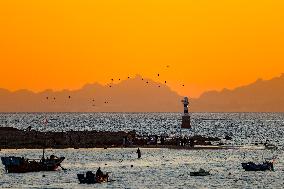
x=158, y=168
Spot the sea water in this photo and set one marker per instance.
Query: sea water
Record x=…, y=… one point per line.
x=158, y=168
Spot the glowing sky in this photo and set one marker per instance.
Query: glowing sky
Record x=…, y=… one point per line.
x=209, y=44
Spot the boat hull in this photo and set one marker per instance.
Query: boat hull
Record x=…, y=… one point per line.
x=250, y=166
x=92, y=180
x=21, y=165
x=199, y=174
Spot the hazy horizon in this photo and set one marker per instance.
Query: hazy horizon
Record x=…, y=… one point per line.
x=119, y=81
x=140, y=94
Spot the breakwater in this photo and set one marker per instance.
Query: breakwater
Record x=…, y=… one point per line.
x=16, y=139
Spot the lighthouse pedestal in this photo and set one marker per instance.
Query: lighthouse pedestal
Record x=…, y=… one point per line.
x=185, y=122
x=185, y=118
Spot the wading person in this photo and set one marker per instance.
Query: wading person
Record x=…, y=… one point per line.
x=138, y=153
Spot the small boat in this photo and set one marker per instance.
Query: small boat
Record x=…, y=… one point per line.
x=270, y=146
x=90, y=178
x=199, y=173
x=22, y=165
x=265, y=166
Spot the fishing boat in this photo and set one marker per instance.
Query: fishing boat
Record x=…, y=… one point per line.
x=270, y=146
x=265, y=166
x=14, y=164
x=201, y=172
x=90, y=178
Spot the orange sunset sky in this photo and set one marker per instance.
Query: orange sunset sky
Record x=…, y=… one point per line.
x=208, y=44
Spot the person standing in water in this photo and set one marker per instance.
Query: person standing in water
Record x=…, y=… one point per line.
x=138, y=153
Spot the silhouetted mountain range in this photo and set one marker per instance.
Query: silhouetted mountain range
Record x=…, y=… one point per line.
x=131, y=95
x=260, y=96
x=144, y=95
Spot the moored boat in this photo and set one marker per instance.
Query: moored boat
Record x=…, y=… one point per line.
x=265, y=166
x=270, y=146
x=91, y=178
x=14, y=164
x=201, y=172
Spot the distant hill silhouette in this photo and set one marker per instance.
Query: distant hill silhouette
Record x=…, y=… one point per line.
x=260, y=96
x=131, y=95
x=135, y=95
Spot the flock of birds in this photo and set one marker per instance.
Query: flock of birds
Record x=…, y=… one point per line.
x=110, y=85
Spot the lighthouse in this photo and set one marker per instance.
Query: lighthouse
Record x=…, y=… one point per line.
x=185, y=118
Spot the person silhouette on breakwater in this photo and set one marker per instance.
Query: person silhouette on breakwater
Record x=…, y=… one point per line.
x=138, y=153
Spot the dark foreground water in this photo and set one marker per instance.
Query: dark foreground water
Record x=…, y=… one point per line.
x=158, y=168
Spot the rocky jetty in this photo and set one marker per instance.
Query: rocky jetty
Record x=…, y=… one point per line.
x=14, y=138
